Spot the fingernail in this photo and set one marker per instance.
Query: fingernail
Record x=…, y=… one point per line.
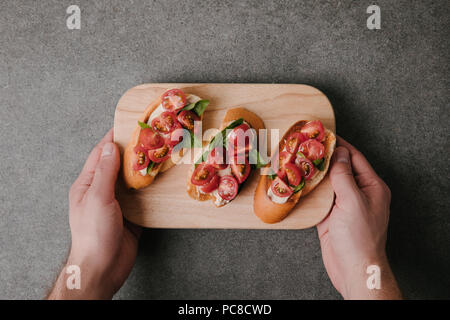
x=107, y=149
x=342, y=155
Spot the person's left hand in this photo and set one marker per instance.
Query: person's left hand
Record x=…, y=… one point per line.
x=103, y=246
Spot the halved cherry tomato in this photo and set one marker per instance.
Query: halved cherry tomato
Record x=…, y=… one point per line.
x=165, y=123
x=293, y=174
x=203, y=174
x=187, y=119
x=305, y=166
x=161, y=154
x=240, y=171
x=312, y=149
x=280, y=188
x=228, y=187
x=176, y=135
x=173, y=100
x=283, y=158
x=217, y=158
x=140, y=158
x=211, y=185
x=313, y=130
x=281, y=173
x=241, y=138
x=150, y=139
x=293, y=141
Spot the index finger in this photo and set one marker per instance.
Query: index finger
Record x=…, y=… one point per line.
x=84, y=180
x=360, y=165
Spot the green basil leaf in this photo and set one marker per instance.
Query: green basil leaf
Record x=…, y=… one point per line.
x=200, y=107
x=255, y=158
x=272, y=176
x=188, y=143
x=300, y=186
x=222, y=134
x=204, y=157
x=213, y=143
x=319, y=164
x=301, y=154
x=189, y=106
x=150, y=167
x=195, y=142
x=143, y=125
x=234, y=124
x=317, y=161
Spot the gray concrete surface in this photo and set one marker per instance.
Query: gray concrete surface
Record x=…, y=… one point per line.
x=59, y=88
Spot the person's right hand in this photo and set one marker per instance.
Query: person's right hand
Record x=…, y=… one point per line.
x=353, y=236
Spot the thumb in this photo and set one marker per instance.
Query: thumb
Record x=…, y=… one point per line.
x=105, y=176
x=341, y=175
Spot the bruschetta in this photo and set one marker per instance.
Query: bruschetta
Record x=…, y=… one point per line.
x=155, y=144
x=226, y=162
x=299, y=165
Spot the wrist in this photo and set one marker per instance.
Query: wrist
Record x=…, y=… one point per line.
x=371, y=278
x=82, y=278
x=94, y=283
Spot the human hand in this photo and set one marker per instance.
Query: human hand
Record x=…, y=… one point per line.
x=353, y=236
x=103, y=246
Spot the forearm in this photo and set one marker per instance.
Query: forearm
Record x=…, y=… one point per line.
x=362, y=283
x=80, y=280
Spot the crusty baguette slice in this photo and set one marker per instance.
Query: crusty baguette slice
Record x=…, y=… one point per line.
x=132, y=178
x=231, y=115
x=271, y=212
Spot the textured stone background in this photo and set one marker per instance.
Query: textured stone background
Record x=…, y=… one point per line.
x=59, y=88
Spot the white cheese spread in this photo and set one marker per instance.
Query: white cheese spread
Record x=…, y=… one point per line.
x=275, y=198
x=191, y=98
x=155, y=113
x=224, y=172
x=219, y=200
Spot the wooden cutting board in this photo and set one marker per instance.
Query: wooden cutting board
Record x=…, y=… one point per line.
x=165, y=203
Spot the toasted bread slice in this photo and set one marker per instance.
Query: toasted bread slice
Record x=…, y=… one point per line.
x=231, y=115
x=133, y=179
x=271, y=212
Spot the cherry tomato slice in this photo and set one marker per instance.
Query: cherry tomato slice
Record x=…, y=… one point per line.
x=169, y=119
x=176, y=135
x=228, y=188
x=203, y=174
x=293, y=141
x=312, y=149
x=150, y=139
x=283, y=158
x=165, y=123
x=313, y=130
x=140, y=158
x=211, y=186
x=187, y=119
x=240, y=171
x=282, y=173
x=217, y=158
x=160, y=154
x=173, y=100
x=305, y=166
x=241, y=138
x=293, y=174
x=280, y=188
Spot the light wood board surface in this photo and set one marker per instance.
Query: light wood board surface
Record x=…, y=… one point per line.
x=165, y=203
